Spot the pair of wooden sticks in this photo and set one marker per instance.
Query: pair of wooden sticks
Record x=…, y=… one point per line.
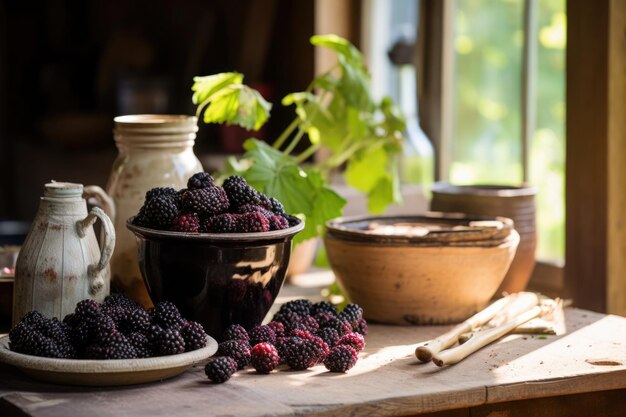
x=501, y=317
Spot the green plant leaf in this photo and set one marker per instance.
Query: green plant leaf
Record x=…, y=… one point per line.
x=381, y=195
x=366, y=168
x=238, y=104
x=205, y=87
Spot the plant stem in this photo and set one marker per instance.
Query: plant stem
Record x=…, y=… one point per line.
x=308, y=152
x=283, y=136
x=294, y=141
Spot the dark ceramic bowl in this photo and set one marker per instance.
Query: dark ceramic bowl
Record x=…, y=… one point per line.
x=215, y=279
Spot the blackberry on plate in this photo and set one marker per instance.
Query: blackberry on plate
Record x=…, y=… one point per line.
x=206, y=201
x=249, y=208
x=137, y=320
x=87, y=309
x=160, y=211
x=265, y=202
x=220, y=369
x=160, y=192
x=264, y=358
x=170, y=343
x=253, y=222
x=236, y=332
x=194, y=335
x=116, y=346
x=356, y=340
x=102, y=328
x=200, y=180
x=120, y=300
x=240, y=192
x=292, y=220
x=186, y=222
x=260, y=334
x=166, y=315
x=277, y=206
x=140, y=342
x=238, y=350
x=341, y=358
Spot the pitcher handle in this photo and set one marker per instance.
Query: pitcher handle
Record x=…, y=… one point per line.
x=102, y=198
x=108, y=246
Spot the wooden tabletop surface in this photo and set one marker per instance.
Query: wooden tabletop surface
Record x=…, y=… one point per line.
x=387, y=380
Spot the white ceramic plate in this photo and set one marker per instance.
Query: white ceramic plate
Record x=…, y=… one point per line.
x=104, y=372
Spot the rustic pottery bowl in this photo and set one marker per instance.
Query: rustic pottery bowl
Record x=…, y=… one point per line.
x=215, y=279
x=432, y=269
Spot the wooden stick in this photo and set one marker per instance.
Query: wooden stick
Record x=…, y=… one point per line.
x=425, y=353
x=483, y=338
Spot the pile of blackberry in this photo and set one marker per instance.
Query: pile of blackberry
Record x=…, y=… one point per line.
x=204, y=207
x=301, y=335
x=119, y=328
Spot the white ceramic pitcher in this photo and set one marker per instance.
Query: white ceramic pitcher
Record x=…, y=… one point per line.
x=61, y=262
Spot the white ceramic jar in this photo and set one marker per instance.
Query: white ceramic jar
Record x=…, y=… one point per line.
x=154, y=151
x=60, y=262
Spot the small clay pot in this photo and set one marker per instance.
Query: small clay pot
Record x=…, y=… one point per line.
x=516, y=203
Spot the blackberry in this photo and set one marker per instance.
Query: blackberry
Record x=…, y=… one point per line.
x=278, y=327
x=323, y=307
x=352, y=313
x=116, y=346
x=278, y=223
x=160, y=192
x=300, y=353
x=261, y=334
x=186, y=222
x=166, y=315
x=360, y=327
x=206, y=201
x=277, y=206
x=240, y=192
x=141, y=344
x=220, y=369
x=328, y=335
x=319, y=346
x=356, y=340
x=341, y=358
x=292, y=220
x=265, y=202
x=309, y=323
x=301, y=307
x=264, y=358
x=87, y=309
x=160, y=211
x=170, y=343
x=120, y=300
x=236, y=332
x=289, y=319
x=339, y=324
x=154, y=335
x=222, y=223
x=117, y=313
x=249, y=208
x=237, y=350
x=252, y=223
x=33, y=318
x=200, y=180
x=102, y=328
x=194, y=336
x=324, y=317
x=137, y=320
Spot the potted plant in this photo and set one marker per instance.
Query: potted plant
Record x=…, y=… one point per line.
x=337, y=113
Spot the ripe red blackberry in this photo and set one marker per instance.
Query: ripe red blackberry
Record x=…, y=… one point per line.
x=238, y=350
x=252, y=223
x=240, y=192
x=206, y=201
x=236, y=332
x=278, y=223
x=222, y=223
x=278, y=327
x=356, y=340
x=200, y=180
x=160, y=211
x=194, y=335
x=186, y=222
x=328, y=335
x=264, y=358
x=320, y=346
x=323, y=307
x=260, y=334
x=220, y=369
x=159, y=192
x=341, y=358
x=166, y=315
x=170, y=343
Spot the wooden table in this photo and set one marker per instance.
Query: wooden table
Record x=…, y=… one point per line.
x=582, y=373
